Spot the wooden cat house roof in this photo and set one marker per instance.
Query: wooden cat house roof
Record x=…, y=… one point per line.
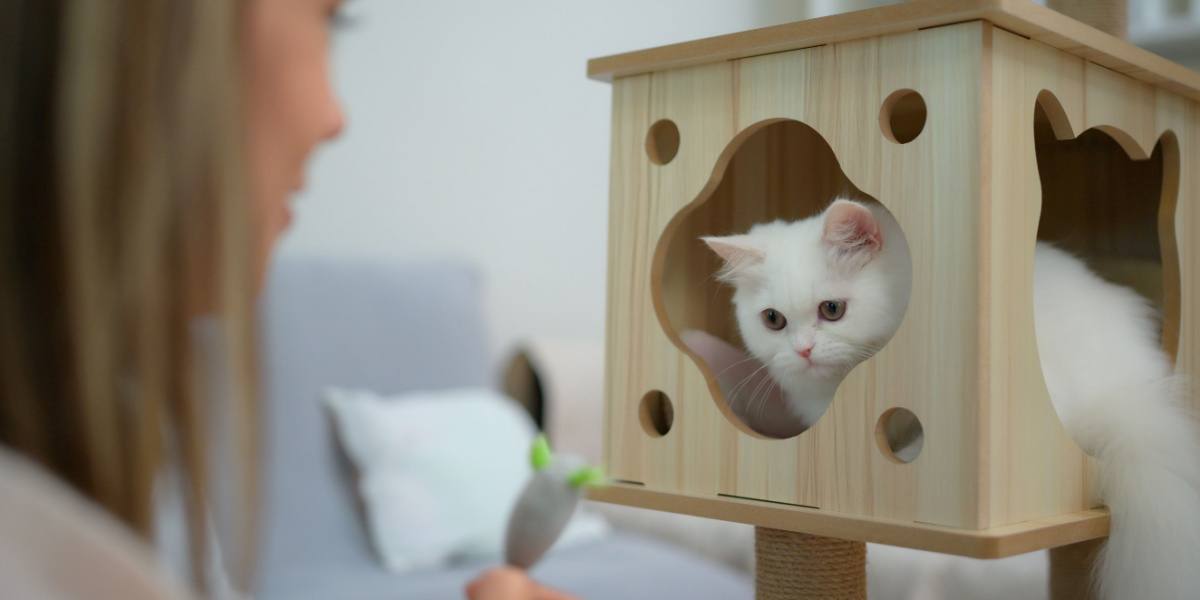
x=1022, y=17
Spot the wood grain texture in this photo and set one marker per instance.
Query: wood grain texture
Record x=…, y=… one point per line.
x=996, y=542
x=1023, y=17
x=1179, y=121
x=777, y=136
x=1109, y=16
x=930, y=366
x=1022, y=427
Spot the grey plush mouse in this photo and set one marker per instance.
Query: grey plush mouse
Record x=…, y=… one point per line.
x=546, y=504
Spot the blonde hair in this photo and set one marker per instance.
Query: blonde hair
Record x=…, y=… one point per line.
x=122, y=215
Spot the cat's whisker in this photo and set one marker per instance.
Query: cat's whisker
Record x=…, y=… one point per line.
x=767, y=398
x=745, y=380
x=749, y=414
x=767, y=382
x=754, y=415
x=736, y=364
x=740, y=386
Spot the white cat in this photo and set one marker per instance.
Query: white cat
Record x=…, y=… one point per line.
x=815, y=297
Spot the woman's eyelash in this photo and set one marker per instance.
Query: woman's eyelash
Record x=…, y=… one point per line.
x=340, y=20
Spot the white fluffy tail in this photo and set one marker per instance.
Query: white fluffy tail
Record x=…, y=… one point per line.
x=1148, y=449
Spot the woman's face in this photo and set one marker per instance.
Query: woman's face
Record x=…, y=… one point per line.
x=290, y=105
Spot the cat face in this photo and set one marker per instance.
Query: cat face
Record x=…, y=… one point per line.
x=815, y=297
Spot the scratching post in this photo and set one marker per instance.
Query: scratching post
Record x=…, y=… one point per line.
x=791, y=565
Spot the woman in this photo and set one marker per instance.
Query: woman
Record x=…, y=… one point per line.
x=148, y=151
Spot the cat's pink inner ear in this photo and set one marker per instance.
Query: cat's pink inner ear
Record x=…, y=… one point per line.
x=852, y=229
x=737, y=251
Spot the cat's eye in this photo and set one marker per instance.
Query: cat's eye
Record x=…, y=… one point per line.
x=773, y=319
x=832, y=310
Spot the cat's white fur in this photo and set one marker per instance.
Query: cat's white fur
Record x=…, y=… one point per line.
x=1110, y=382
x=792, y=267
x=1113, y=389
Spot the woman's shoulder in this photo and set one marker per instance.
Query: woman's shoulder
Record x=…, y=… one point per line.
x=55, y=544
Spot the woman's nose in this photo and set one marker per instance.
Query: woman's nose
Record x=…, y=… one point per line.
x=335, y=119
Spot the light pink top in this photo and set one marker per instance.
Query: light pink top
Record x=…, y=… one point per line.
x=55, y=544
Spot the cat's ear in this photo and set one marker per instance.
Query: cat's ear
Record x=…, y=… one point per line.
x=740, y=253
x=851, y=234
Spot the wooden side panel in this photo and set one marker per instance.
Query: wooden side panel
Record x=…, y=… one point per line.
x=930, y=367
x=1121, y=107
x=1104, y=191
x=927, y=367
x=644, y=198
x=1034, y=468
x=1179, y=220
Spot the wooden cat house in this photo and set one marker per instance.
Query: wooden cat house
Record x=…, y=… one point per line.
x=982, y=126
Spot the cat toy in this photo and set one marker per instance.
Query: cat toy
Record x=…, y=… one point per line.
x=546, y=504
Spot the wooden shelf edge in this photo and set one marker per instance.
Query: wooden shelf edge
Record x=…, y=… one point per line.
x=895, y=18
x=1019, y=16
x=997, y=542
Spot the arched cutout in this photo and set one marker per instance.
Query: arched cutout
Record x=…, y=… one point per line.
x=1052, y=115
x=1103, y=199
x=777, y=169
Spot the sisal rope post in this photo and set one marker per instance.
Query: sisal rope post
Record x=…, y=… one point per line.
x=1071, y=566
x=792, y=566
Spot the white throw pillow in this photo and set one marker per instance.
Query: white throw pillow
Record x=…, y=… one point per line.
x=439, y=471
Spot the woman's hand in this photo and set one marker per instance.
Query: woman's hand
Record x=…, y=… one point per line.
x=509, y=583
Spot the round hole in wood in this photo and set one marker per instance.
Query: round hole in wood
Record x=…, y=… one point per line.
x=656, y=413
x=900, y=435
x=662, y=141
x=902, y=117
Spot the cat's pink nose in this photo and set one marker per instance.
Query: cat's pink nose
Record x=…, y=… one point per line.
x=806, y=351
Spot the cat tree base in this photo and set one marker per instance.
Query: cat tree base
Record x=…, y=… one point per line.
x=995, y=542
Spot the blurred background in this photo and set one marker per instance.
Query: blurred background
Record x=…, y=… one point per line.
x=464, y=212
x=474, y=134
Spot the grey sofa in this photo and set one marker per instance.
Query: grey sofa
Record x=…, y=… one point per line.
x=392, y=328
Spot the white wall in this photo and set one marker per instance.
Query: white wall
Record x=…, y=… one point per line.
x=474, y=133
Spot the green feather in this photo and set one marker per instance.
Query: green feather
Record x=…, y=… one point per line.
x=540, y=455
x=587, y=477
